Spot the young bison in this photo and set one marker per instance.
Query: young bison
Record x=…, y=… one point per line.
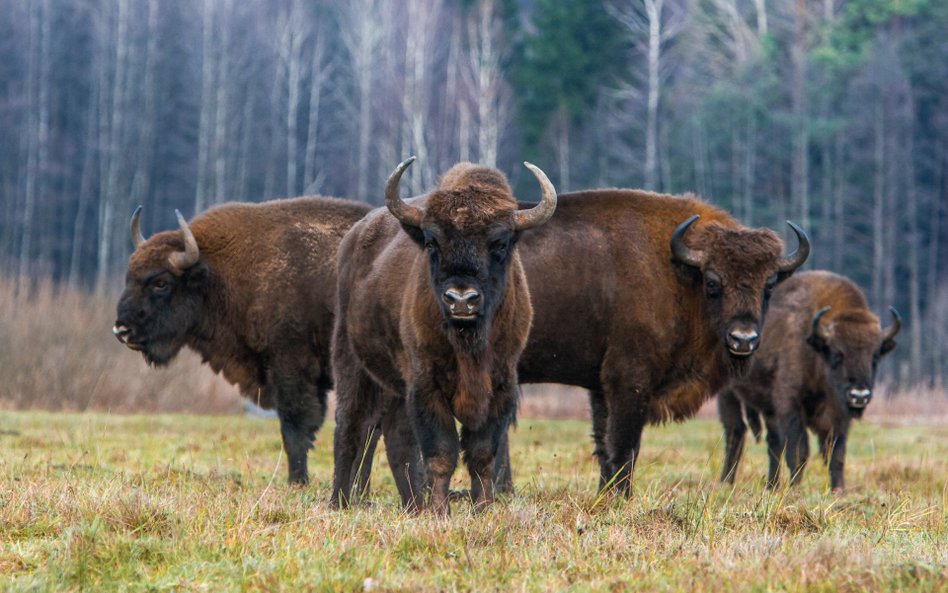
x=815, y=369
x=251, y=287
x=433, y=313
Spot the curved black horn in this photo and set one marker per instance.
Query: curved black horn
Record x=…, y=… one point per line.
x=791, y=262
x=889, y=332
x=183, y=260
x=815, y=324
x=137, y=237
x=682, y=252
x=406, y=214
x=525, y=219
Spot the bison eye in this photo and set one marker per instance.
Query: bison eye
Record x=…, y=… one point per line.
x=160, y=285
x=498, y=249
x=836, y=359
x=769, y=287
x=713, y=287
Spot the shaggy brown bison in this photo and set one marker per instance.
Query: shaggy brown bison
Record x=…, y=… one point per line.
x=649, y=301
x=815, y=369
x=251, y=287
x=433, y=312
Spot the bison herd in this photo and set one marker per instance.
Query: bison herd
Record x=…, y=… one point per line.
x=435, y=309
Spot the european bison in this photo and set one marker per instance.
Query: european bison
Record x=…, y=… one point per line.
x=433, y=312
x=251, y=287
x=651, y=302
x=815, y=369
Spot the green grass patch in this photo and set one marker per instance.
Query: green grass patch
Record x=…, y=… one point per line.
x=179, y=503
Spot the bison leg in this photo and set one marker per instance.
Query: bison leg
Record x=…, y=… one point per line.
x=729, y=412
x=503, y=474
x=600, y=421
x=625, y=436
x=480, y=449
x=837, y=459
x=356, y=433
x=403, y=456
x=434, y=428
x=301, y=408
x=774, y=450
x=796, y=448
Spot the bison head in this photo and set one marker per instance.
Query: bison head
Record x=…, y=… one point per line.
x=468, y=228
x=738, y=268
x=164, y=292
x=851, y=344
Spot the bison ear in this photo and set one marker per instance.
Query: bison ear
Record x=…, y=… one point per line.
x=416, y=234
x=816, y=339
x=888, y=334
x=196, y=275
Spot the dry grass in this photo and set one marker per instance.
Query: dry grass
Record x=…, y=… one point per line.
x=174, y=503
x=57, y=352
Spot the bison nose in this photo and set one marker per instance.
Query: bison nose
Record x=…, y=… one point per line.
x=859, y=398
x=121, y=332
x=743, y=342
x=462, y=302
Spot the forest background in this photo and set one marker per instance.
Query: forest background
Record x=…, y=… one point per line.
x=831, y=113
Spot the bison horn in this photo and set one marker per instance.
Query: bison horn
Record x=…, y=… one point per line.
x=525, y=219
x=407, y=215
x=681, y=252
x=815, y=324
x=889, y=332
x=789, y=263
x=184, y=260
x=137, y=237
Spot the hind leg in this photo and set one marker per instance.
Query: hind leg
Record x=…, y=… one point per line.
x=357, y=432
x=404, y=456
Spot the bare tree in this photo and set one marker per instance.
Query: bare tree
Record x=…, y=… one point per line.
x=491, y=93
x=650, y=17
x=362, y=36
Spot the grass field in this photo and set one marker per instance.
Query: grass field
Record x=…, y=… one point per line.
x=186, y=503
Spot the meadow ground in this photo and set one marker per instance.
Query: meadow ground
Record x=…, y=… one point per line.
x=186, y=503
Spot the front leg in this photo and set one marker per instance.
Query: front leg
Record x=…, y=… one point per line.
x=774, y=451
x=600, y=420
x=480, y=444
x=625, y=424
x=729, y=412
x=796, y=448
x=837, y=459
x=301, y=407
x=433, y=423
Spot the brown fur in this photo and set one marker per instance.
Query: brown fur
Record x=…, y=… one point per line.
x=393, y=338
x=792, y=382
x=258, y=305
x=615, y=314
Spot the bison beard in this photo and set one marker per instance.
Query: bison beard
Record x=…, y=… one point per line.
x=404, y=350
x=251, y=288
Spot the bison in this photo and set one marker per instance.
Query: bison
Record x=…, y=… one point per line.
x=816, y=368
x=649, y=301
x=433, y=312
x=251, y=287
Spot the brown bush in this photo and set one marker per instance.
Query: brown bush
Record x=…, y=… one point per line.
x=57, y=352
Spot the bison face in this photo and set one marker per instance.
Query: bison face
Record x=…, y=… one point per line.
x=738, y=269
x=468, y=265
x=851, y=345
x=468, y=229
x=164, y=294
